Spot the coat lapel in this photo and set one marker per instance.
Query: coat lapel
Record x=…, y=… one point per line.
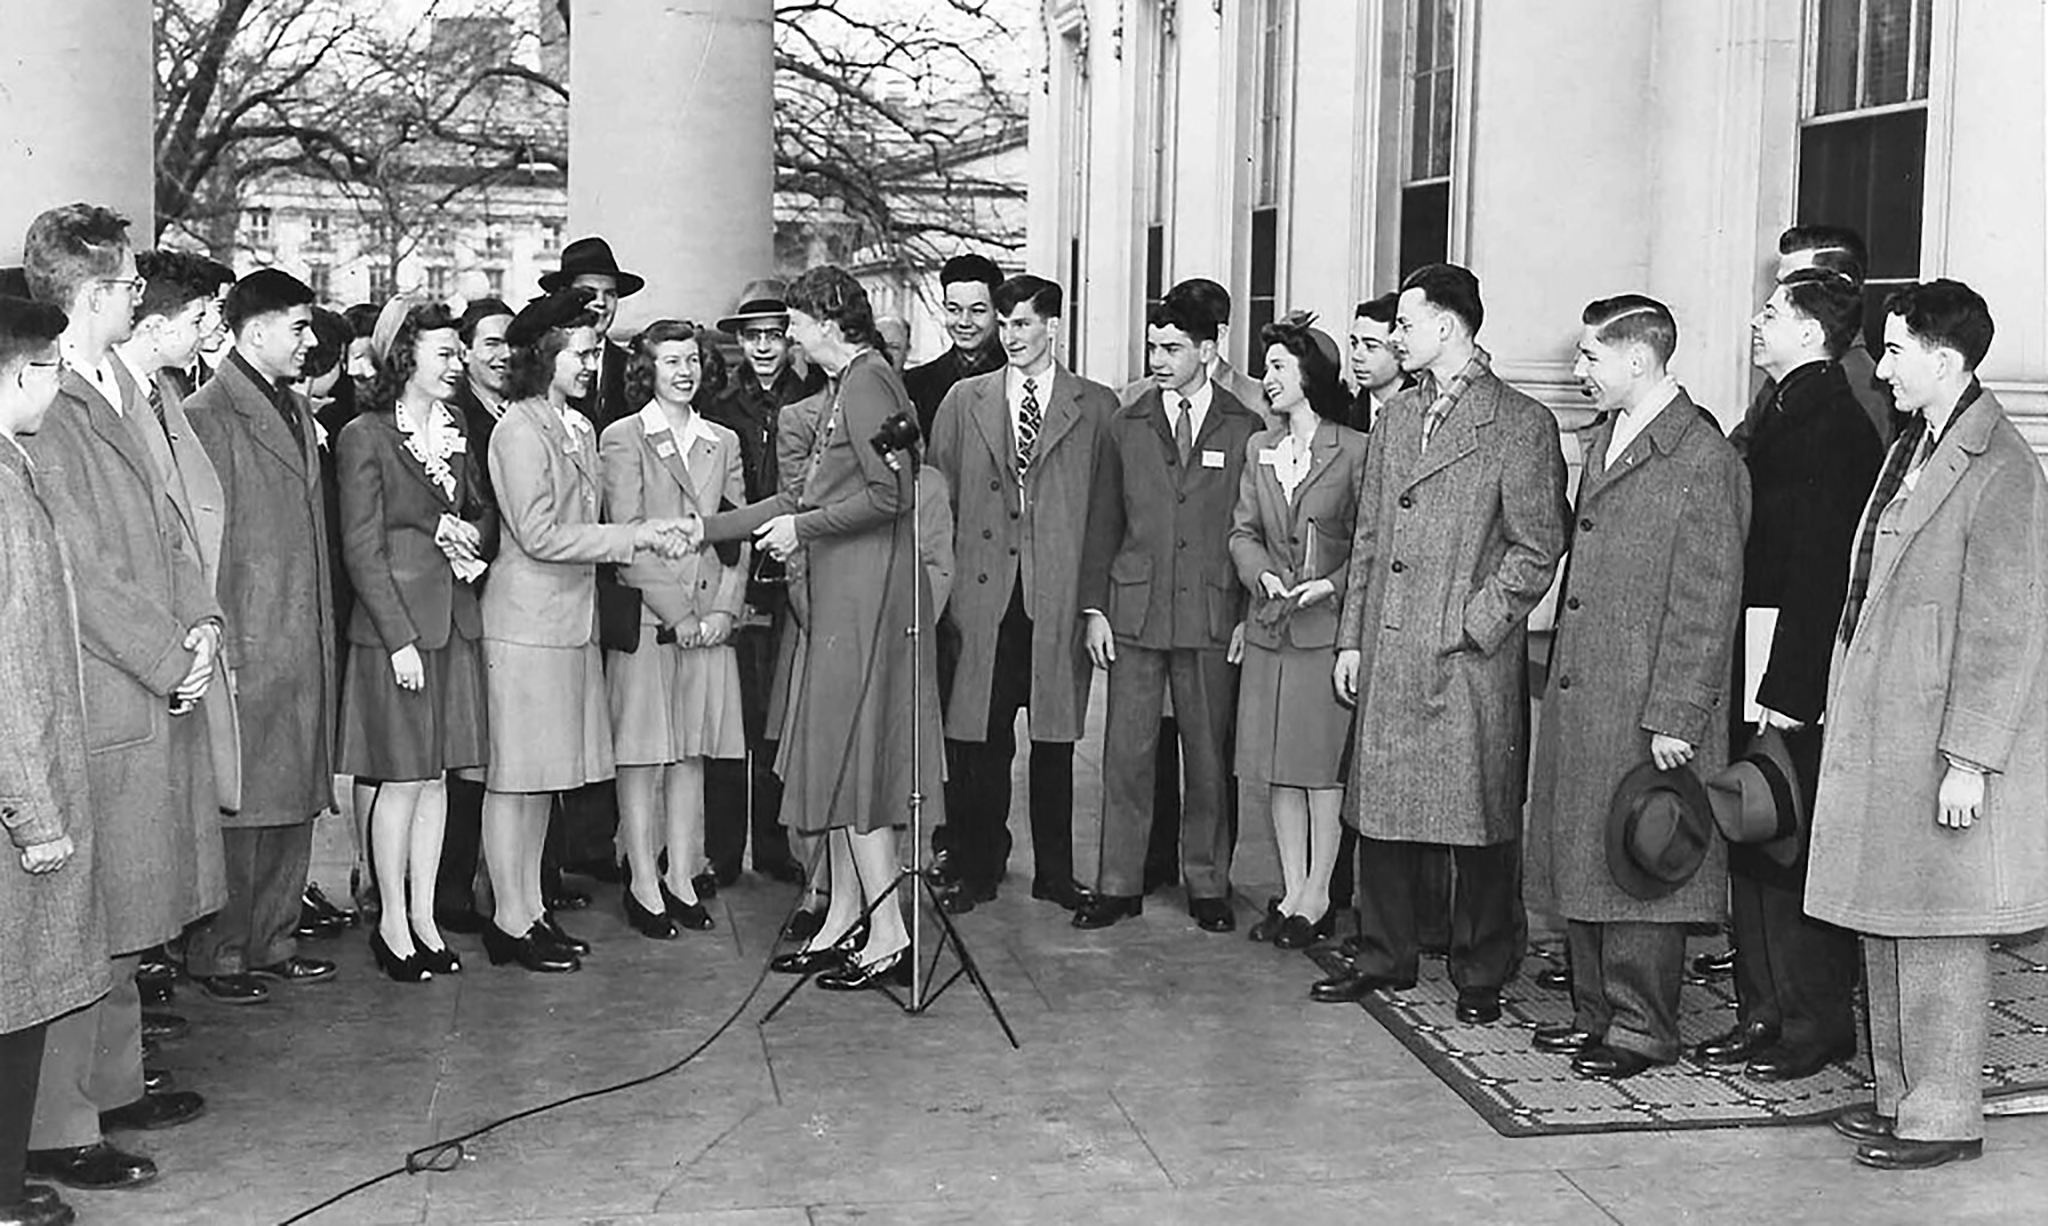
x=1662, y=434
x=265, y=425
x=1458, y=435
x=1952, y=456
x=112, y=430
x=991, y=413
x=667, y=449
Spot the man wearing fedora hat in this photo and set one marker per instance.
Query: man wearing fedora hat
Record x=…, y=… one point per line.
x=1621, y=839
x=588, y=263
x=743, y=796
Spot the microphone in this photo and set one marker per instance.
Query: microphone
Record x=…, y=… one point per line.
x=898, y=434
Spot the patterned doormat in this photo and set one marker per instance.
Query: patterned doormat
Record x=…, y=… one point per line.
x=1522, y=1092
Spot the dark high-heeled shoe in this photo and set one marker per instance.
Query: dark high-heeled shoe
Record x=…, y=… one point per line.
x=528, y=951
x=809, y=961
x=858, y=976
x=550, y=930
x=441, y=961
x=409, y=969
x=691, y=915
x=1269, y=924
x=1296, y=932
x=648, y=923
x=804, y=922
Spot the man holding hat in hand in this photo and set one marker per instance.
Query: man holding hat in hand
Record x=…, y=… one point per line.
x=1620, y=836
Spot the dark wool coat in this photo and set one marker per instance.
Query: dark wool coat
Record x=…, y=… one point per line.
x=140, y=590
x=275, y=590
x=1455, y=546
x=1947, y=660
x=1002, y=540
x=53, y=958
x=1644, y=635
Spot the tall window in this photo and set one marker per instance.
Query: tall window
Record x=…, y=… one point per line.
x=380, y=281
x=494, y=242
x=437, y=281
x=320, y=279
x=550, y=236
x=1274, y=84
x=1074, y=195
x=319, y=230
x=494, y=282
x=1431, y=100
x=256, y=226
x=1863, y=143
x=1162, y=118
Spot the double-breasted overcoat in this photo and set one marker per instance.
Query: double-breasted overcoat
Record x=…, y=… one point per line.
x=1004, y=536
x=1455, y=545
x=1645, y=633
x=275, y=589
x=1947, y=661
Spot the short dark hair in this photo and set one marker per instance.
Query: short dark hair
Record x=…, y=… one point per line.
x=1044, y=296
x=176, y=279
x=331, y=335
x=69, y=246
x=1450, y=288
x=1205, y=296
x=829, y=292
x=967, y=267
x=640, y=355
x=1321, y=382
x=27, y=329
x=263, y=292
x=1633, y=319
x=1183, y=313
x=399, y=362
x=476, y=312
x=362, y=319
x=1830, y=299
x=1946, y=313
x=1380, y=310
x=1837, y=247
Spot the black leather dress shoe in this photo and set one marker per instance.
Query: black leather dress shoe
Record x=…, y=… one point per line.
x=316, y=898
x=1102, y=910
x=809, y=961
x=1900, y=1154
x=562, y=898
x=529, y=951
x=1862, y=1123
x=1353, y=986
x=91, y=1168
x=1478, y=1006
x=1556, y=979
x=1064, y=893
x=154, y=1111
x=1787, y=1063
x=1213, y=914
x=788, y=872
x=164, y=1027
x=317, y=926
x=707, y=882
x=296, y=970
x=1604, y=1063
x=26, y=1212
x=944, y=868
x=1715, y=966
x=1738, y=1046
x=233, y=989
x=157, y=1080
x=549, y=930
x=804, y=922
x=1563, y=1039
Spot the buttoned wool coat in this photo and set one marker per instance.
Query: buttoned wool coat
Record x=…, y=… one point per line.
x=54, y=955
x=275, y=591
x=140, y=589
x=1947, y=661
x=1645, y=633
x=1003, y=538
x=1455, y=545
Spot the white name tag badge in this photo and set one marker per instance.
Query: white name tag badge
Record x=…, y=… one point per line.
x=664, y=448
x=1269, y=456
x=1212, y=459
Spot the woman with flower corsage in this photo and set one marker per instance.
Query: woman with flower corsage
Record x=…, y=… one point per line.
x=417, y=534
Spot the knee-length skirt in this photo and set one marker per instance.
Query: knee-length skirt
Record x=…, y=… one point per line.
x=404, y=735
x=669, y=703
x=551, y=726
x=1291, y=730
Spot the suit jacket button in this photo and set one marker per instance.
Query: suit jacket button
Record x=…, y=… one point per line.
x=1572, y=603
x=1397, y=567
x=1407, y=503
x=1585, y=525
x=995, y=485
x=987, y=534
x=981, y=579
x=1564, y=683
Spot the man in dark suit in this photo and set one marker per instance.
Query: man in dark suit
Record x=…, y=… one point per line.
x=1812, y=457
x=743, y=798
x=968, y=286
x=1017, y=448
x=1375, y=367
x=1162, y=602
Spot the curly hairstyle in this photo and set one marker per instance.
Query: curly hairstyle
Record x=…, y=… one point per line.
x=640, y=358
x=1320, y=381
x=828, y=292
x=398, y=365
x=533, y=366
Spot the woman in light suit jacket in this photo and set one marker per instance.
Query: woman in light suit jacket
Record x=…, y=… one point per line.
x=1291, y=542
x=551, y=727
x=675, y=697
x=416, y=536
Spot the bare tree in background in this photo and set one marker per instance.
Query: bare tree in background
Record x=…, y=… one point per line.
x=879, y=106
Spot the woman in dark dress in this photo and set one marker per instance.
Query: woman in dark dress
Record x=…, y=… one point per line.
x=848, y=736
x=416, y=538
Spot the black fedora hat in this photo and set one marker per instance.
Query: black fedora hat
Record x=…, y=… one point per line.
x=591, y=255
x=1757, y=799
x=760, y=299
x=1659, y=827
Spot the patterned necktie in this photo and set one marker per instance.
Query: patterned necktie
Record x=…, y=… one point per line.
x=1028, y=420
x=1184, y=429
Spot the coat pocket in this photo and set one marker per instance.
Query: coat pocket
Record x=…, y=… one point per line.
x=117, y=710
x=1130, y=592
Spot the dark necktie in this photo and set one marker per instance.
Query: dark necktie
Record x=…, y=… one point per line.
x=1028, y=420
x=1184, y=429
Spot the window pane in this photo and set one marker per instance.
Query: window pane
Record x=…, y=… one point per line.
x=1446, y=33
x=1835, y=58
x=1923, y=47
x=1265, y=282
x=1887, y=52
x=1425, y=225
x=1425, y=36
x=1421, y=124
x=1440, y=132
x=1867, y=174
x=1155, y=264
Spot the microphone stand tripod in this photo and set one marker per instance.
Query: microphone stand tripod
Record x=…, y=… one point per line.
x=925, y=985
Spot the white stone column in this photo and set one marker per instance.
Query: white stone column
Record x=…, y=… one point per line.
x=77, y=114
x=671, y=146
